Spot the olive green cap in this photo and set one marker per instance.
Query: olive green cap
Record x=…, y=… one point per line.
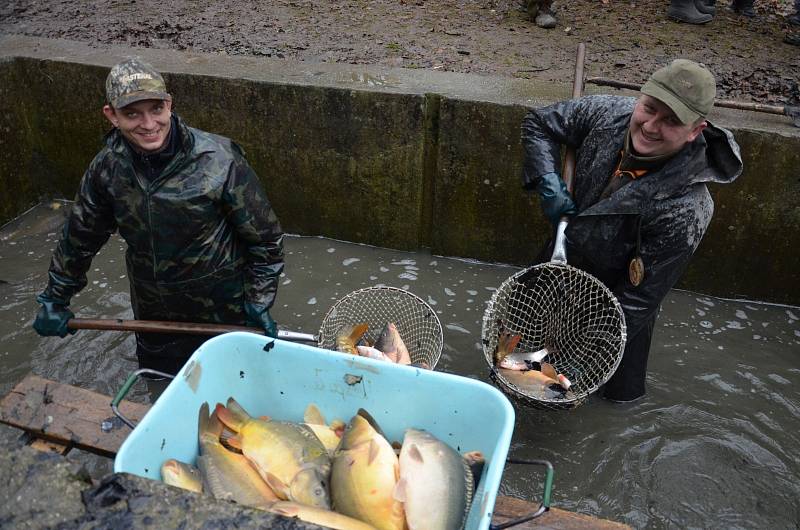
x=134, y=80
x=686, y=87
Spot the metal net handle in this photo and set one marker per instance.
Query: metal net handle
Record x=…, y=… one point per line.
x=368, y=301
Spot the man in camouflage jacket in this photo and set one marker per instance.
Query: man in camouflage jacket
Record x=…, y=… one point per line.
x=640, y=195
x=204, y=244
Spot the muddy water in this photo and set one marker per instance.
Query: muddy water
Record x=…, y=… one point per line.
x=714, y=443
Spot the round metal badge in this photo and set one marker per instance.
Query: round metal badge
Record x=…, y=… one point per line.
x=636, y=271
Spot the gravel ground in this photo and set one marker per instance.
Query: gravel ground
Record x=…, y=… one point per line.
x=626, y=40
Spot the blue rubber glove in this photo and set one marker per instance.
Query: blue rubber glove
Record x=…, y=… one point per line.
x=555, y=199
x=52, y=318
x=258, y=315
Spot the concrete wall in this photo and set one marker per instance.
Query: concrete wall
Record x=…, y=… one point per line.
x=397, y=158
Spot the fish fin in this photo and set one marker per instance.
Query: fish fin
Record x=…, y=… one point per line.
x=213, y=479
x=235, y=442
x=231, y=416
x=358, y=331
x=415, y=454
x=212, y=428
x=202, y=423
x=393, y=356
x=367, y=416
x=338, y=427
x=399, y=492
x=404, y=358
x=285, y=508
x=277, y=486
x=237, y=410
x=313, y=415
x=374, y=450
x=549, y=371
x=505, y=345
x=225, y=436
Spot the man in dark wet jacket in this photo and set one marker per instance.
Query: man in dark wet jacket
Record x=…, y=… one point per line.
x=204, y=244
x=640, y=195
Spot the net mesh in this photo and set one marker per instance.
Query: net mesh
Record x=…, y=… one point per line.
x=417, y=323
x=566, y=310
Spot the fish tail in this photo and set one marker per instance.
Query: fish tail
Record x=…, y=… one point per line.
x=358, y=332
x=505, y=345
x=233, y=415
x=208, y=427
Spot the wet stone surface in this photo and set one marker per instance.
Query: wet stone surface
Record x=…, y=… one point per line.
x=45, y=490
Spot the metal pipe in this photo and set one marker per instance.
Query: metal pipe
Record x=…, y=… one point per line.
x=739, y=105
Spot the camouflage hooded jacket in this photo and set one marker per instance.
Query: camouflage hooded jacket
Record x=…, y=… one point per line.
x=202, y=237
x=661, y=217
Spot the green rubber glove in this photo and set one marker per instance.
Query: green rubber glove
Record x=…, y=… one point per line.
x=52, y=318
x=555, y=199
x=258, y=315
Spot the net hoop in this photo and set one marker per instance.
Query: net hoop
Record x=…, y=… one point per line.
x=567, y=310
x=416, y=321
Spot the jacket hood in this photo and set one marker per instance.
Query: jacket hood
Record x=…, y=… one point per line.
x=723, y=155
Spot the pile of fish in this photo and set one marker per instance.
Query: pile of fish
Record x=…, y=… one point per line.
x=389, y=346
x=528, y=371
x=346, y=477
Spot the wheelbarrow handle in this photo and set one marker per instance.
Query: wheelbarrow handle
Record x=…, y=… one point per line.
x=190, y=328
x=548, y=488
x=126, y=388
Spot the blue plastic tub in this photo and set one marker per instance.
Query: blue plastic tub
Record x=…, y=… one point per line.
x=282, y=380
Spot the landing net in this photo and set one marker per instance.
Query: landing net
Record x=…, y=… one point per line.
x=417, y=323
x=566, y=310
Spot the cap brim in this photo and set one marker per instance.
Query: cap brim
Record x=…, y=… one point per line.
x=133, y=97
x=683, y=112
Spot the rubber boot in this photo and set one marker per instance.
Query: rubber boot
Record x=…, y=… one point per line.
x=540, y=11
x=686, y=11
x=706, y=6
x=743, y=7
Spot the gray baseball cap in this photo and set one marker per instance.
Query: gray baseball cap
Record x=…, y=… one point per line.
x=134, y=80
x=686, y=87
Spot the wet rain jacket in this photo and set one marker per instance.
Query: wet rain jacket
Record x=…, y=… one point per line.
x=668, y=210
x=202, y=237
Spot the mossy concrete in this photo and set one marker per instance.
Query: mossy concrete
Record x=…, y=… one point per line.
x=397, y=158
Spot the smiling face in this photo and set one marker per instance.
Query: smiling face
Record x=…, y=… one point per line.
x=145, y=124
x=657, y=131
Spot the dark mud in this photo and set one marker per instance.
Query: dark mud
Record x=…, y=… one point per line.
x=626, y=40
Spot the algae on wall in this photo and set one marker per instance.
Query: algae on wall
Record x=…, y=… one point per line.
x=399, y=170
x=52, y=125
x=17, y=191
x=751, y=247
x=342, y=163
